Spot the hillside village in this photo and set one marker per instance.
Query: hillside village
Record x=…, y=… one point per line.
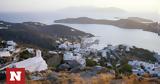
x=79, y=42
x=78, y=57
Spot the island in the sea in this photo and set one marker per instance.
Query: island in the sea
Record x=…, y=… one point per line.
x=129, y=23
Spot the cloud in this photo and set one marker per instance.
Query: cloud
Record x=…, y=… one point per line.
x=50, y=5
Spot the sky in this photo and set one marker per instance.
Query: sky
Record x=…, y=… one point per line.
x=51, y=5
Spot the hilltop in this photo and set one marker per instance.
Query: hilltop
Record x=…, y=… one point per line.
x=38, y=34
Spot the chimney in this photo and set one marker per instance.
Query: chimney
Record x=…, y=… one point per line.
x=38, y=53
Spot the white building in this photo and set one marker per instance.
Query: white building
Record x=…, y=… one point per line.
x=63, y=46
x=77, y=45
x=32, y=64
x=138, y=71
x=77, y=57
x=68, y=56
x=11, y=43
x=5, y=54
x=67, y=45
x=11, y=48
x=147, y=66
x=57, y=41
x=30, y=50
x=151, y=68
x=103, y=53
x=36, y=63
x=52, y=52
x=127, y=48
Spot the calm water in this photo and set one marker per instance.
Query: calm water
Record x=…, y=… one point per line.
x=106, y=34
x=113, y=35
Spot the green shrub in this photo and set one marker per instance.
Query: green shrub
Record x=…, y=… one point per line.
x=25, y=55
x=126, y=68
x=90, y=62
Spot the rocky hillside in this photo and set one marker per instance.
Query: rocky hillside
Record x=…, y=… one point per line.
x=38, y=34
x=130, y=23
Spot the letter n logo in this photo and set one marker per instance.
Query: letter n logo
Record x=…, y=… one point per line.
x=15, y=75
